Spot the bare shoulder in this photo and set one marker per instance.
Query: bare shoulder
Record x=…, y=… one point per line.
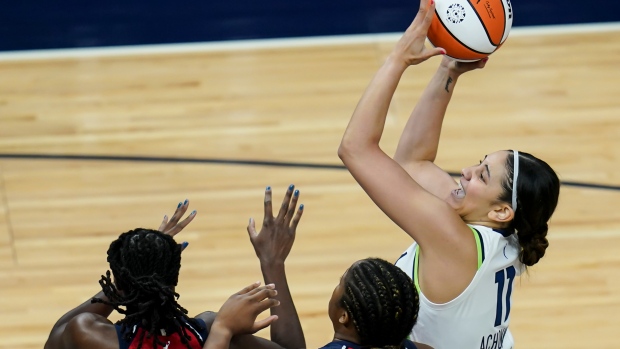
x=208, y=317
x=88, y=330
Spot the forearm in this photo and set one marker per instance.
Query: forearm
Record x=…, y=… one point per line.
x=86, y=307
x=368, y=119
x=287, y=331
x=420, y=138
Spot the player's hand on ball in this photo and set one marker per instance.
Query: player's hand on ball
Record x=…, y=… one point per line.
x=411, y=46
x=462, y=67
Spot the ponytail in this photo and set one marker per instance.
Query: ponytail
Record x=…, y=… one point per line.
x=533, y=245
x=538, y=189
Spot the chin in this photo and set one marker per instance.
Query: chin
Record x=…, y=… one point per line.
x=453, y=203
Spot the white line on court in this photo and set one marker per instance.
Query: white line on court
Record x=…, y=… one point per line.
x=274, y=43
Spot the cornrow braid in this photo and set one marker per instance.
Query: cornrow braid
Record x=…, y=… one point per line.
x=382, y=302
x=145, y=264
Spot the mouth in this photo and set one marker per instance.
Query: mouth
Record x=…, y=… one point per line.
x=460, y=192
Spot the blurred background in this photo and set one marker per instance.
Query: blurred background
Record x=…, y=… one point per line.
x=29, y=25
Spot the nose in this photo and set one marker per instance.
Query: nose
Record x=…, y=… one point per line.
x=466, y=173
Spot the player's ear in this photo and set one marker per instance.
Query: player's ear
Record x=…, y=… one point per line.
x=501, y=213
x=344, y=318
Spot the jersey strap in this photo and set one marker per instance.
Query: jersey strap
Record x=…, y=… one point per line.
x=479, y=245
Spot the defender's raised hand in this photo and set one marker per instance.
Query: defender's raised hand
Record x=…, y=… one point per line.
x=172, y=227
x=275, y=239
x=272, y=245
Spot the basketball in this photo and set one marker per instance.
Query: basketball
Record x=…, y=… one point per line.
x=470, y=30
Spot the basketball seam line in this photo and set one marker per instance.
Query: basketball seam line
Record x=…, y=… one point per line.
x=484, y=26
x=455, y=38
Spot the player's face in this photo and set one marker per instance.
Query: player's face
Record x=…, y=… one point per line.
x=479, y=188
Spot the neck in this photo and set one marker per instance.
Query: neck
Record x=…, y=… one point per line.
x=349, y=337
x=486, y=223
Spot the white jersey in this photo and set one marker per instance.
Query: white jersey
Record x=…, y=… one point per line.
x=478, y=318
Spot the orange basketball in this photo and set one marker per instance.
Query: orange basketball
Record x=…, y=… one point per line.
x=470, y=30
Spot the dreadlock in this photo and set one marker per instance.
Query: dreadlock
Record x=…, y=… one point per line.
x=382, y=301
x=145, y=264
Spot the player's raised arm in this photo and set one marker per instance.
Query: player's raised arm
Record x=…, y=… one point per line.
x=429, y=220
x=417, y=147
x=272, y=246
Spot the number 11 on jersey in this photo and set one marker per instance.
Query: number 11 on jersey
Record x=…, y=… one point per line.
x=500, y=279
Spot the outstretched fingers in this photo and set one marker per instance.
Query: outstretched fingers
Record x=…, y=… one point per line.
x=268, y=218
x=291, y=207
x=181, y=225
x=173, y=226
x=285, y=203
x=255, y=288
x=297, y=217
x=259, y=325
x=163, y=224
x=249, y=288
x=263, y=299
x=238, y=314
x=252, y=229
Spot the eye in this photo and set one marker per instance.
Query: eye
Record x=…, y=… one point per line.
x=482, y=176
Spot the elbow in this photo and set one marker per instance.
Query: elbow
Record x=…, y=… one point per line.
x=343, y=152
x=347, y=150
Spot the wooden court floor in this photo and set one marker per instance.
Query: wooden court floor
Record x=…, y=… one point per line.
x=556, y=96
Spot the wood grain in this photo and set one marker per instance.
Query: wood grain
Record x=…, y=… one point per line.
x=555, y=96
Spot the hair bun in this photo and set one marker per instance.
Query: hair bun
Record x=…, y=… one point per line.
x=534, y=245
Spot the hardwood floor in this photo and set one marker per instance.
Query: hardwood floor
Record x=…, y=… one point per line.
x=555, y=96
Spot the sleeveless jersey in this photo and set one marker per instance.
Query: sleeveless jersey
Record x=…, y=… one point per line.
x=197, y=338
x=478, y=318
x=340, y=344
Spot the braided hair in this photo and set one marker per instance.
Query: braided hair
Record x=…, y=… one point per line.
x=538, y=190
x=145, y=264
x=382, y=302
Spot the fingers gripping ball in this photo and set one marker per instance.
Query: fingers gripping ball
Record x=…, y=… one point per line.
x=470, y=30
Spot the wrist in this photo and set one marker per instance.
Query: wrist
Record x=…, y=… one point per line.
x=221, y=330
x=448, y=70
x=272, y=264
x=396, y=62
